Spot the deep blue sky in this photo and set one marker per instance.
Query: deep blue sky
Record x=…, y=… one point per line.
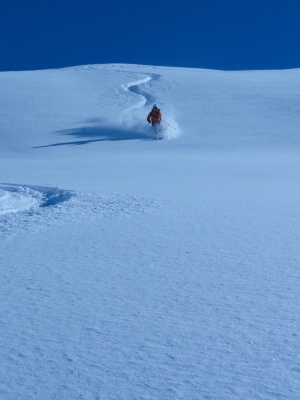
x=219, y=34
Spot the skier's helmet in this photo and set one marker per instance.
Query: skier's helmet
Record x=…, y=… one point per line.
x=155, y=106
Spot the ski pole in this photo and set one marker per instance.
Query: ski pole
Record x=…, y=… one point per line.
x=168, y=124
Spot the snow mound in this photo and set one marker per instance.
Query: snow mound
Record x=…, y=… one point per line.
x=20, y=198
x=3, y=194
x=30, y=207
x=16, y=199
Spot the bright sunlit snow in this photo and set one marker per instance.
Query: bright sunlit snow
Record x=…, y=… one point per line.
x=135, y=268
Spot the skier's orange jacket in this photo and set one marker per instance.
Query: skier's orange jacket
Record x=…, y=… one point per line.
x=154, y=116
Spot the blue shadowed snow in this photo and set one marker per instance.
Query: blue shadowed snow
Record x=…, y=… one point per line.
x=46, y=196
x=136, y=89
x=100, y=133
x=168, y=269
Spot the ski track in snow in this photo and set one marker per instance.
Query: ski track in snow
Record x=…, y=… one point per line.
x=147, y=98
x=196, y=300
x=29, y=207
x=130, y=123
x=167, y=131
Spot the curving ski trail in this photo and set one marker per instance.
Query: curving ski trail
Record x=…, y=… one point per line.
x=167, y=130
x=134, y=87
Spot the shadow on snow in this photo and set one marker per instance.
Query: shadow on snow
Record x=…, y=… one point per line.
x=99, y=133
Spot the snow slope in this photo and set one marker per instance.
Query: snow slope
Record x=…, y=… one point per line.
x=134, y=268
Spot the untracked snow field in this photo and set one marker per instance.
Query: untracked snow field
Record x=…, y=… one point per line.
x=134, y=268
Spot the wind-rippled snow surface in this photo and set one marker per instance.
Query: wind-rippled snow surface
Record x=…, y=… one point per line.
x=142, y=269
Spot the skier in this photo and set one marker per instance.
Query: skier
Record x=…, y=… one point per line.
x=154, y=117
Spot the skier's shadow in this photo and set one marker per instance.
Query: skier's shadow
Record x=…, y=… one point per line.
x=97, y=131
